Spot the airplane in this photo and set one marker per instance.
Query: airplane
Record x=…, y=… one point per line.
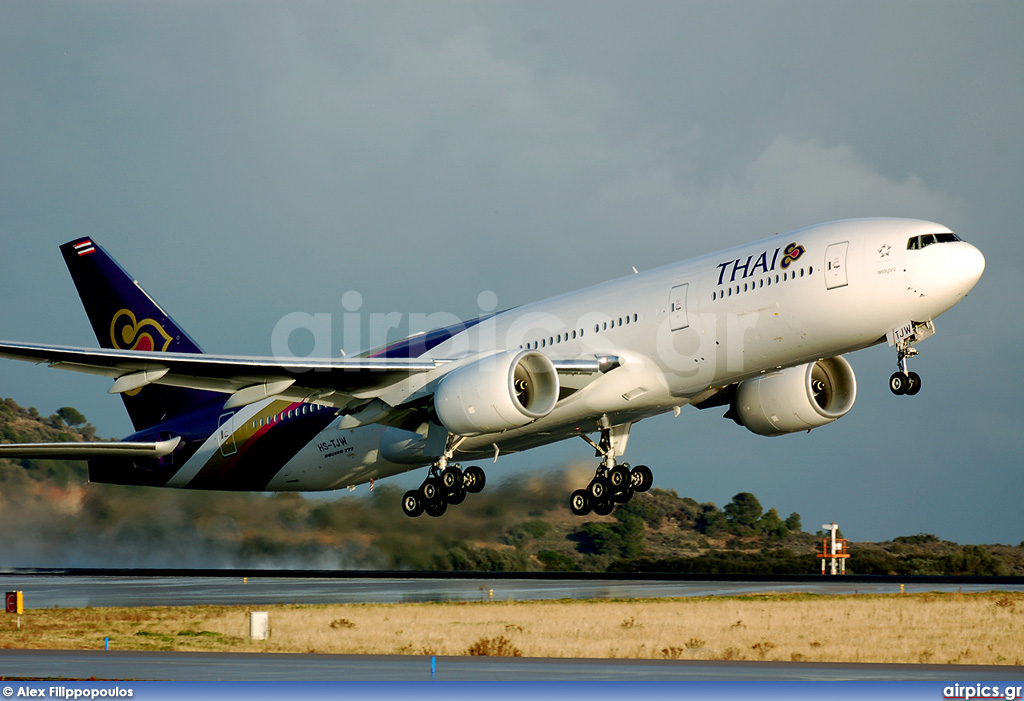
x=759, y=329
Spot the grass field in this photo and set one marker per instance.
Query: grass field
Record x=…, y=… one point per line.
x=934, y=628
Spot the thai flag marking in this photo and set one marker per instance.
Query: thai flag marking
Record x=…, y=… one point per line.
x=84, y=248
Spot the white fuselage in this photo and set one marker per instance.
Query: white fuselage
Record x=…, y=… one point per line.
x=681, y=331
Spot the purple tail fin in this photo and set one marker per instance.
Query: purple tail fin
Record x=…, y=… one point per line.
x=123, y=316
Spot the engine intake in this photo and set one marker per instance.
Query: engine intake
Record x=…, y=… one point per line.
x=496, y=393
x=796, y=399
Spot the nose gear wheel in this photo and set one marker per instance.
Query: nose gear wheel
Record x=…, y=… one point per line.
x=903, y=381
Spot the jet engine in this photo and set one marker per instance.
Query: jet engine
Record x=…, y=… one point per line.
x=496, y=393
x=796, y=399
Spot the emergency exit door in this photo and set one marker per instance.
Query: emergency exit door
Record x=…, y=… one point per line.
x=677, y=307
x=835, y=265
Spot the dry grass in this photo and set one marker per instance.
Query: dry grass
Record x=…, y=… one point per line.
x=934, y=628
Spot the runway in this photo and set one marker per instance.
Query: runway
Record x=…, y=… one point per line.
x=191, y=666
x=79, y=591
x=71, y=590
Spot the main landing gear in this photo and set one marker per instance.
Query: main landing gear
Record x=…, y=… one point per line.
x=446, y=483
x=903, y=381
x=613, y=483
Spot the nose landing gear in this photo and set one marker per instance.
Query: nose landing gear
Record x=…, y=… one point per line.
x=905, y=338
x=903, y=381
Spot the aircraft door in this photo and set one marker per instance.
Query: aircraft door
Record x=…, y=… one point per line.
x=835, y=265
x=677, y=316
x=226, y=435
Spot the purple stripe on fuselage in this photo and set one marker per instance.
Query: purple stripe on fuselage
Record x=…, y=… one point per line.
x=416, y=346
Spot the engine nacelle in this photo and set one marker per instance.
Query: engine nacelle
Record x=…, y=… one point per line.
x=496, y=393
x=796, y=399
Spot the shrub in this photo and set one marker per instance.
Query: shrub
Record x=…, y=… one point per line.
x=494, y=647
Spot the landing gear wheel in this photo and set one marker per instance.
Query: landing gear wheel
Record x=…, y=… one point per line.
x=598, y=490
x=623, y=496
x=452, y=479
x=641, y=478
x=898, y=383
x=456, y=497
x=579, y=502
x=913, y=384
x=436, y=508
x=603, y=508
x=473, y=479
x=431, y=490
x=412, y=503
x=618, y=477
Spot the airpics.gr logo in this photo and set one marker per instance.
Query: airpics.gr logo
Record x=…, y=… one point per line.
x=764, y=263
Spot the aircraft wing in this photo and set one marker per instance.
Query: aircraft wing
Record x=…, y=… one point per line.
x=338, y=382
x=85, y=451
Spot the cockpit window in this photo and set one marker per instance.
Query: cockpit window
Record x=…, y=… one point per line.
x=918, y=242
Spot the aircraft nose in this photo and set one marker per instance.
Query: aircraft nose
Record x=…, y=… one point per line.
x=970, y=266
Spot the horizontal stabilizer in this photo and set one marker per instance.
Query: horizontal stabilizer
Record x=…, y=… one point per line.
x=84, y=451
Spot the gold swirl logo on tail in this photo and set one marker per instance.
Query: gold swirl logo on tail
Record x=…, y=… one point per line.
x=128, y=333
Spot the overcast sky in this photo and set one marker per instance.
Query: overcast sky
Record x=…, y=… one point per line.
x=245, y=160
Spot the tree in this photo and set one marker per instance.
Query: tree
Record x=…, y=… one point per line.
x=711, y=521
x=743, y=513
x=772, y=526
x=71, y=416
x=793, y=523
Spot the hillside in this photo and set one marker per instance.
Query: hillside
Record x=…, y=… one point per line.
x=52, y=517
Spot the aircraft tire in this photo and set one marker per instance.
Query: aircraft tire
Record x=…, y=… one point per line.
x=474, y=479
x=598, y=490
x=603, y=508
x=641, y=478
x=452, y=479
x=431, y=490
x=579, y=502
x=914, y=384
x=898, y=383
x=436, y=508
x=622, y=497
x=456, y=497
x=618, y=477
x=412, y=503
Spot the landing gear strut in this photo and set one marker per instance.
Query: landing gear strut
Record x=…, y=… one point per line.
x=905, y=338
x=446, y=483
x=904, y=381
x=613, y=483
